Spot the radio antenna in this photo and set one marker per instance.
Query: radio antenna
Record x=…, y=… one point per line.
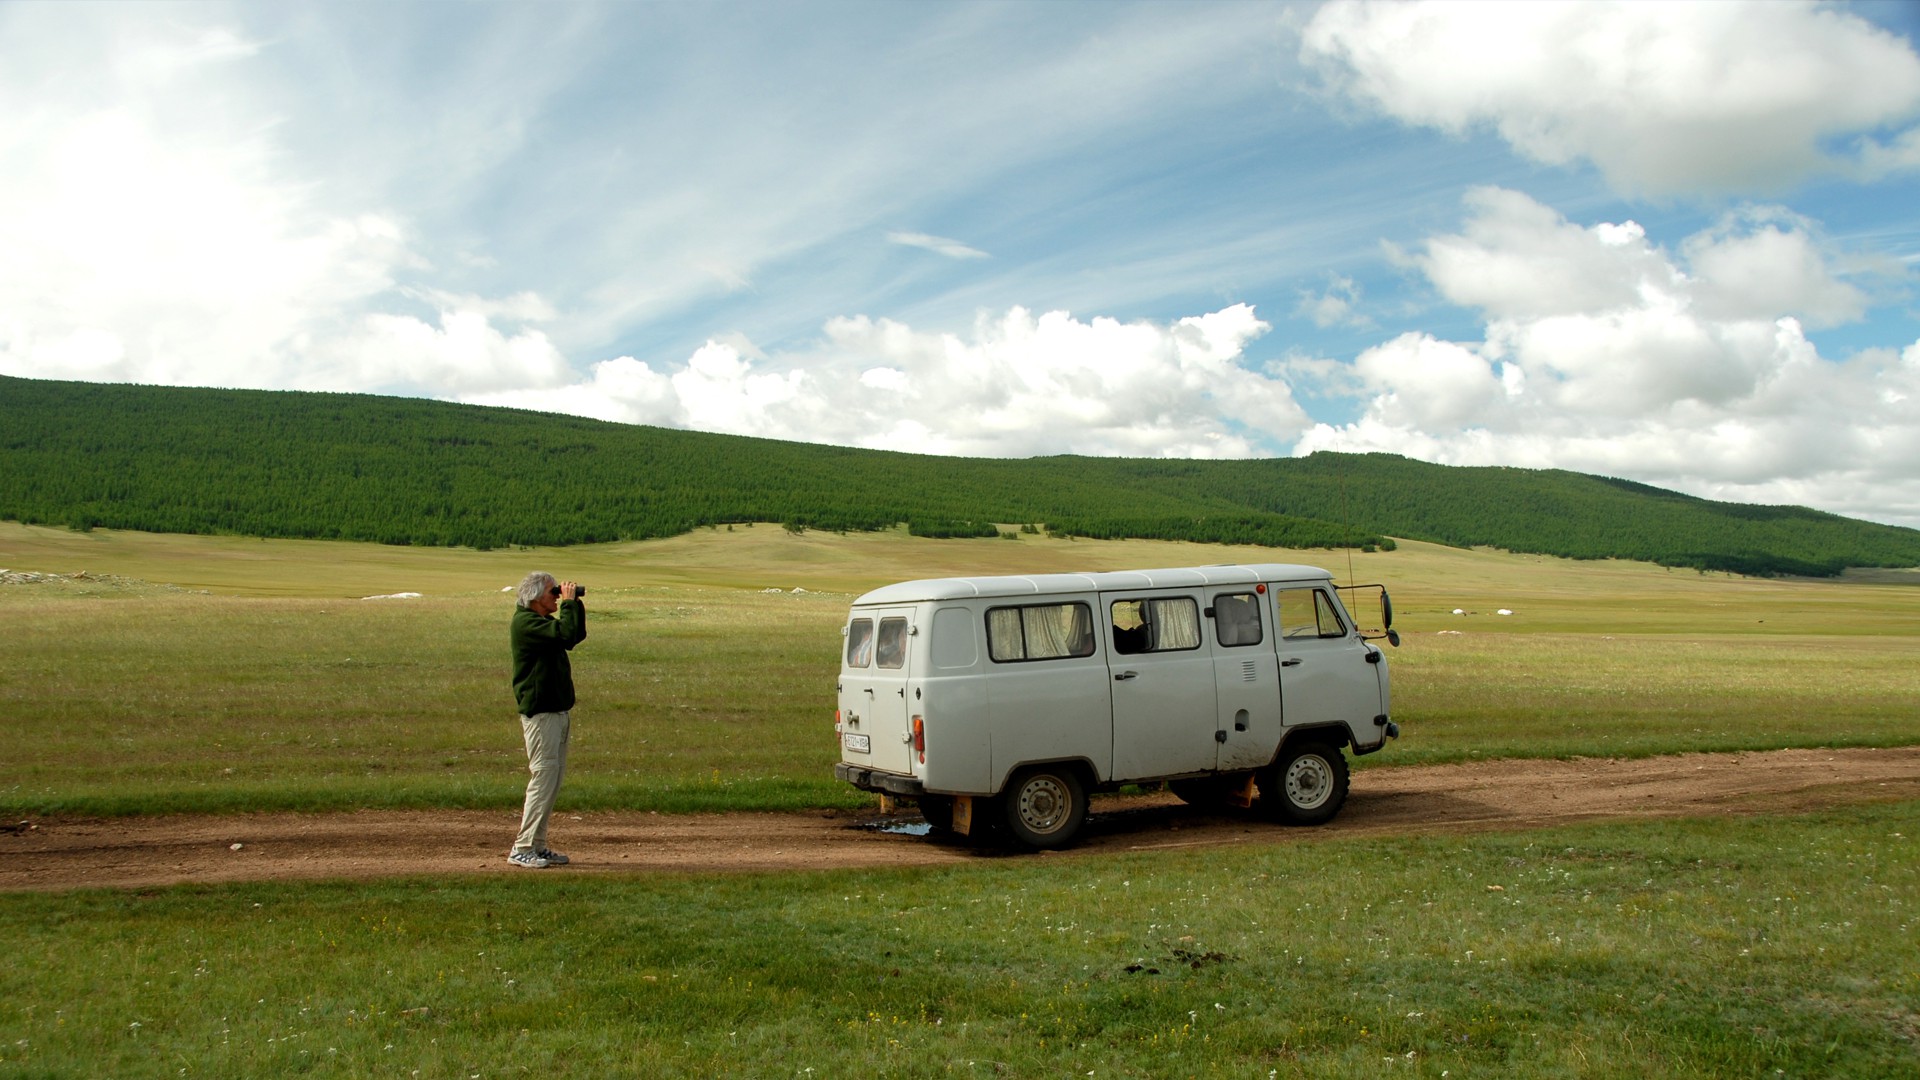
x=1346, y=511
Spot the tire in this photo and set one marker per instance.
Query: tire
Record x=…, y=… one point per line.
x=1306, y=786
x=938, y=810
x=1044, y=807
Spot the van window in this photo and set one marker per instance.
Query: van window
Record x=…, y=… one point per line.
x=1307, y=613
x=860, y=643
x=1166, y=624
x=893, y=643
x=1236, y=619
x=1039, y=632
x=954, y=644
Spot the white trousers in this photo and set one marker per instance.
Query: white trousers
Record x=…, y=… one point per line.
x=546, y=735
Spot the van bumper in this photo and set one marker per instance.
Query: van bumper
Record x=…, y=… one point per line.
x=873, y=780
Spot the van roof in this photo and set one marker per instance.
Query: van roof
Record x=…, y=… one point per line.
x=958, y=588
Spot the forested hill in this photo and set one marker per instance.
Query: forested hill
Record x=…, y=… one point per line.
x=407, y=471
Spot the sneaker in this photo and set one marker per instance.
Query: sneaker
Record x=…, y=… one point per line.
x=553, y=857
x=532, y=860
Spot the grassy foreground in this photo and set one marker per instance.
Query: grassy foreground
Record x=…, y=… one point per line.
x=196, y=673
x=1734, y=947
x=210, y=673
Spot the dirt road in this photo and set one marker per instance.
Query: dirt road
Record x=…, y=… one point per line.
x=60, y=853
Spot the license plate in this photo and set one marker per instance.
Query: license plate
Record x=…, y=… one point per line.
x=858, y=744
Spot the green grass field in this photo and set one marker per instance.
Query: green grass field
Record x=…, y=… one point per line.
x=1727, y=948
x=231, y=674
x=194, y=673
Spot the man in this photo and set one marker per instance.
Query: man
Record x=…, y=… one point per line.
x=550, y=620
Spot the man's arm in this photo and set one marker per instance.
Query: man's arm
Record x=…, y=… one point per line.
x=570, y=623
x=567, y=628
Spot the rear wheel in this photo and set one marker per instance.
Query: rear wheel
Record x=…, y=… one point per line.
x=1045, y=806
x=1307, y=786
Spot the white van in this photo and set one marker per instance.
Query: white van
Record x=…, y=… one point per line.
x=1004, y=701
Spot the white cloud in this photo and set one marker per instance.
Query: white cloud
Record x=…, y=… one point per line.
x=1517, y=258
x=939, y=245
x=1763, y=263
x=464, y=353
x=150, y=236
x=1334, y=306
x=1019, y=385
x=1686, y=370
x=1426, y=383
x=1662, y=98
x=623, y=390
x=156, y=231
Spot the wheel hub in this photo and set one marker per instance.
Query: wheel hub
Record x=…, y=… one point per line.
x=1309, y=782
x=1044, y=804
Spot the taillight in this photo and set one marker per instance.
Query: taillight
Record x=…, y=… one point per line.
x=836, y=721
x=920, y=738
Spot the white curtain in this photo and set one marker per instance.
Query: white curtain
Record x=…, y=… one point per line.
x=1044, y=632
x=1176, y=623
x=1058, y=630
x=1003, y=634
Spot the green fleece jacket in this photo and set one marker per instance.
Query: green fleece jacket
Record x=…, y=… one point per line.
x=542, y=677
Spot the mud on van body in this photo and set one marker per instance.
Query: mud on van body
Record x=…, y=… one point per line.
x=1002, y=702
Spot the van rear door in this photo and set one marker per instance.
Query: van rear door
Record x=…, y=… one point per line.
x=875, y=729
x=1164, y=718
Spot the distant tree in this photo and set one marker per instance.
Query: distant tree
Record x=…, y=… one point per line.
x=407, y=471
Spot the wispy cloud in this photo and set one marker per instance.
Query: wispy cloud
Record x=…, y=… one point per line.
x=488, y=203
x=939, y=245
x=1336, y=305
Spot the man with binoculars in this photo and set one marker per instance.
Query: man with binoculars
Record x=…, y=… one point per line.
x=549, y=621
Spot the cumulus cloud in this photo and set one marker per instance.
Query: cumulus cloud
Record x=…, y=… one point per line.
x=1606, y=353
x=155, y=232
x=1662, y=98
x=461, y=352
x=1019, y=384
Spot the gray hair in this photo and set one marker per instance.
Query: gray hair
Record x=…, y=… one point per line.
x=534, y=587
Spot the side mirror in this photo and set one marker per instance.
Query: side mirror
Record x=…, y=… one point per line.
x=1386, y=610
x=1393, y=637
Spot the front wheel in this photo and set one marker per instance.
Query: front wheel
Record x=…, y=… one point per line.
x=1307, y=786
x=1045, y=806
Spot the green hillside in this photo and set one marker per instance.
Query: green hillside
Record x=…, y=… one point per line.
x=407, y=471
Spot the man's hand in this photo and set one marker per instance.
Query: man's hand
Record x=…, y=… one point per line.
x=569, y=590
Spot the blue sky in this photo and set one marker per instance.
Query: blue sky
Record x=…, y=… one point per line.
x=1670, y=242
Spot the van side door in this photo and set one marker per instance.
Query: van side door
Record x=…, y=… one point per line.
x=1164, y=705
x=1048, y=699
x=1246, y=676
x=1324, y=673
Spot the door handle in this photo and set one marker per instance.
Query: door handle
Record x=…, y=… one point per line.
x=1295, y=662
x=1125, y=675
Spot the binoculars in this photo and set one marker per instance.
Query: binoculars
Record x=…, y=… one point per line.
x=578, y=591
